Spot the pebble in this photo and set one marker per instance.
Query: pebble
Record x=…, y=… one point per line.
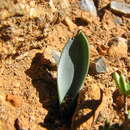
x=14, y=100
x=86, y=17
x=56, y=56
x=21, y=123
x=118, y=20
x=70, y=24
x=51, y=3
x=102, y=50
x=34, y=13
x=120, y=7
x=4, y=14
x=63, y=4
x=88, y=5
x=20, y=9
x=98, y=66
x=118, y=47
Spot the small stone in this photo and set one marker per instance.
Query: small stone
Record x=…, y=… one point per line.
x=117, y=20
x=120, y=7
x=4, y=14
x=56, y=56
x=88, y=5
x=118, y=47
x=102, y=49
x=51, y=3
x=63, y=4
x=98, y=66
x=52, y=55
x=70, y=24
x=86, y=17
x=21, y=123
x=19, y=9
x=34, y=13
x=14, y=100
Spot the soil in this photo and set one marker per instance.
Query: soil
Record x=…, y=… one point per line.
x=29, y=32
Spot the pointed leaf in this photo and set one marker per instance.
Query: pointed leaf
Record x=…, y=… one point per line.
x=119, y=82
x=123, y=83
x=72, y=67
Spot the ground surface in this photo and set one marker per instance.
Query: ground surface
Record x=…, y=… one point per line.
x=29, y=31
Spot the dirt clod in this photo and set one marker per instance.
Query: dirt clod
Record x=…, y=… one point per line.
x=98, y=66
x=118, y=47
x=70, y=24
x=14, y=100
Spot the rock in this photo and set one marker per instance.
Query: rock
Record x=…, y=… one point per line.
x=118, y=47
x=88, y=5
x=102, y=49
x=34, y=13
x=117, y=20
x=20, y=9
x=120, y=7
x=4, y=14
x=14, y=100
x=21, y=123
x=56, y=55
x=86, y=17
x=98, y=66
x=51, y=3
x=70, y=24
x=52, y=55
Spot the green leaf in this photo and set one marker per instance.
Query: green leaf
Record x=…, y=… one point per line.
x=128, y=88
x=123, y=84
x=117, y=79
x=128, y=114
x=72, y=67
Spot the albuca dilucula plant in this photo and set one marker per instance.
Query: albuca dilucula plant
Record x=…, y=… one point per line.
x=124, y=88
x=72, y=68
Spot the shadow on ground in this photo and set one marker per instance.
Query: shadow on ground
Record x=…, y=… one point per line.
x=91, y=104
x=42, y=79
x=40, y=73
